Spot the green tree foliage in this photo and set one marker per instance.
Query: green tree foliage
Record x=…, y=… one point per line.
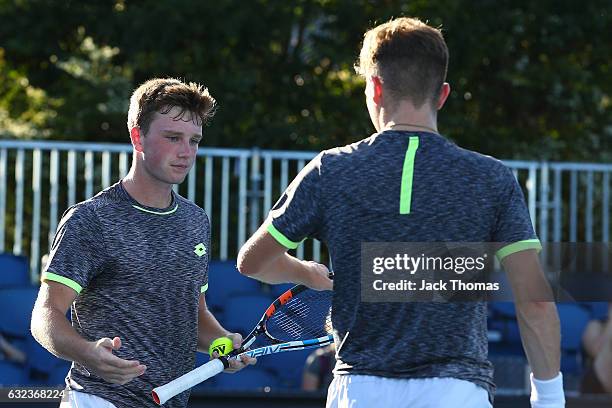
x=530, y=79
x=25, y=111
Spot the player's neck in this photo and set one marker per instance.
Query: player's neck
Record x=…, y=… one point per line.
x=146, y=190
x=407, y=117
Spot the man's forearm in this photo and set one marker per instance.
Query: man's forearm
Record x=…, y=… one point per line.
x=264, y=259
x=55, y=333
x=540, y=334
x=283, y=269
x=209, y=329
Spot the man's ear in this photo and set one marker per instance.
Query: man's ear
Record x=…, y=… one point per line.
x=135, y=136
x=378, y=90
x=444, y=92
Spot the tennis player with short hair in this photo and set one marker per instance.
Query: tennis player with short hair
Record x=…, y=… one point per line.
x=132, y=265
x=407, y=183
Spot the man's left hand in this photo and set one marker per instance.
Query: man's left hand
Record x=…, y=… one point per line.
x=236, y=364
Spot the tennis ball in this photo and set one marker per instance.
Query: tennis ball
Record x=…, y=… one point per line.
x=222, y=345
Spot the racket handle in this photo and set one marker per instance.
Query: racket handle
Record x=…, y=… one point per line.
x=188, y=380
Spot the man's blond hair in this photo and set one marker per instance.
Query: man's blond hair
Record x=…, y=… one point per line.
x=162, y=95
x=410, y=58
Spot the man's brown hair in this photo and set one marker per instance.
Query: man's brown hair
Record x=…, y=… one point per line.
x=410, y=58
x=163, y=94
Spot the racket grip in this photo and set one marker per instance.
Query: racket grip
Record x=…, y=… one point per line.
x=188, y=380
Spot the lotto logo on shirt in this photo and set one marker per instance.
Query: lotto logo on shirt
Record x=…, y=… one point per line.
x=200, y=249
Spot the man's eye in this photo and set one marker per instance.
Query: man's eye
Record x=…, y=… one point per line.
x=172, y=138
x=195, y=141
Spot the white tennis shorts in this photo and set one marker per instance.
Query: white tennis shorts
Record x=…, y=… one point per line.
x=361, y=391
x=76, y=399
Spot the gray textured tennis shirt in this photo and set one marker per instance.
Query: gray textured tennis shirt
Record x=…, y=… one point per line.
x=399, y=186
x=139, y=272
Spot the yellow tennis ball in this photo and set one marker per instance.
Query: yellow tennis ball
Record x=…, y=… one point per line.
x=222, y=345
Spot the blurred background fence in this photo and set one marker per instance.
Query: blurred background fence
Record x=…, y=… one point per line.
x=39, y=180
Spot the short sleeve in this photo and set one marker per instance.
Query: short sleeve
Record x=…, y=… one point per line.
x=297, y=214
x=77, y=254
x=513, y=228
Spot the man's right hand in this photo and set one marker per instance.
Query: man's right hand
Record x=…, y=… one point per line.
x=101, y=360
x=318, y=277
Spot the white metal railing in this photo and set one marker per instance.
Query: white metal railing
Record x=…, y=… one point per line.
x=236, y=187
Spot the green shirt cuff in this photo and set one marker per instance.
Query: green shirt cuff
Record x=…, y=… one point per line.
x=517, y=247
x=48, y=276
x=283, y=240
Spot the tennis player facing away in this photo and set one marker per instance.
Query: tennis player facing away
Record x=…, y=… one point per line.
x=132, y=264
x=408, y=183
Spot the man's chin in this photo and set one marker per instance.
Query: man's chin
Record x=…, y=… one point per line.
x=179, y=180
x=173, y=180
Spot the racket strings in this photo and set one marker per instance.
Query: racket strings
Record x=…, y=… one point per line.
x=306, y=316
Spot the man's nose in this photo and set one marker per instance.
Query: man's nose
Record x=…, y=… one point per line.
x=185, y=150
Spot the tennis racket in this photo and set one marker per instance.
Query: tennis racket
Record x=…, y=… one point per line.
x=299, y=319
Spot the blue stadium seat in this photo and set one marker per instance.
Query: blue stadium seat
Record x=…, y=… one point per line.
x=12, y=374
x=507, y=349
x=288, y=366
x=201, y=358
x=503, y=309
x=39, y=358
x=502, y=318
x=224, y=280
x=242, y=312
x=14, y=270
x=251, y=378
x=16, y=306
x=574, y=319
x=598, y=310
x=277, y=290
x=571, y=363
x=510, y=373
x=57, y=376
x=19, y=342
